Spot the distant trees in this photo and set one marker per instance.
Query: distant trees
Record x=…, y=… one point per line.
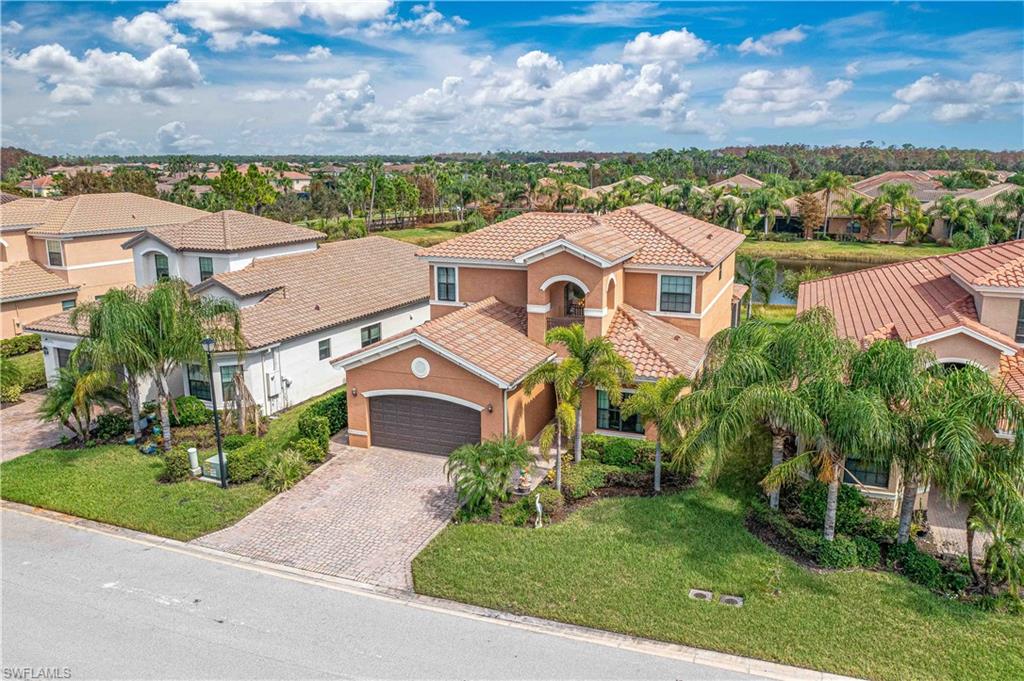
x=122, y=179
x=812, y=213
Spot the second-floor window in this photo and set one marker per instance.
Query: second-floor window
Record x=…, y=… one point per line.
x=369, y=334
x=54, y=253
x=1020, y=321
x=67, y=305
x=205, y=268
x=324, y=348
x=163, y=269
x=446, y=284
x=676, y=294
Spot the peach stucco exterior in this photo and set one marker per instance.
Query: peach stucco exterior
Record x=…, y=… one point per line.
x=18, y=313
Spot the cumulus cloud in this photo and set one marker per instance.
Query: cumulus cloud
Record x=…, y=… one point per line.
x=960, y=112
x=771, y=44
x=425, y=19
x=173, y=137
x=681, y=46
x=68, y=93
x=12, y=27
x=148, y=29
x=987, y=88
x=226, y=41
x=315, y=53
x=791, y=94
x=893, y=113
x=342, y=108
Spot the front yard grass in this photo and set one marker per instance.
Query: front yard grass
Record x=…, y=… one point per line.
x=423, y=236
x=778, y=315
x=853, y=251
x=116, y=484
x=627, y=564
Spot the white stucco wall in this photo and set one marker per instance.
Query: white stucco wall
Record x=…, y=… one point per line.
x=185, y=264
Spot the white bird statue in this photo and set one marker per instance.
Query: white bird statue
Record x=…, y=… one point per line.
x=540, y=512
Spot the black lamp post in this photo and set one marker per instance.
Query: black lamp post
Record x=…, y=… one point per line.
x=208, y=344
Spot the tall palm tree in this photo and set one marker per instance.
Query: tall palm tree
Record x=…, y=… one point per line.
x=830, y=181
x=566, y=401
x=591, y=363
x=759, y=275
x=653, y=404
x=765, y=202
x=898, y=198
x=1013, y=203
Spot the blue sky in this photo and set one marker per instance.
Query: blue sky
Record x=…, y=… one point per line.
x=376, y=76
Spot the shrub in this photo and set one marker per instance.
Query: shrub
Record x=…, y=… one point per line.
x=248, y=462
x=176, y=465
x=917, y=566
x=581, y=479
x=334, y=407
x=236, y=441
x=869, y=553
x=807, y=542
x=10, y=393
x=32, y=372
x=841, y=552
x=472, y=223
x=882, y=531
x=618, y=452
x=316, y=428
x=284, y=469
x=524, y=511
x=482, y=473
x=849, y=509
x=112, y=425
x=310, y=450
x=20, y=345
x=590, y=454
x=191, y=412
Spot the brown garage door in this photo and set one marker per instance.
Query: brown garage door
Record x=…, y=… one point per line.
x=422, y=424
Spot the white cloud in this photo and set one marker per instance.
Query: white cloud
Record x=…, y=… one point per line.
x=148, y=29
x=315, y=53
x=820, y=111
x=12, y=27
x=986, y=88
x=68, y=93
x=681, y=46
x=771, y=44
x=268, y=95
x=791, y=95
x=173, y=137
x=893, y=113
x=342, y=108
x=111, y=142
x=425, y=19
x=960, y=112
x=604, y=14
x=226, y=41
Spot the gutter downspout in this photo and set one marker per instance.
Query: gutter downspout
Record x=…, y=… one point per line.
x=504, y=410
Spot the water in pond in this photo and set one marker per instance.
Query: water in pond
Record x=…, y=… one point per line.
x=834, y=266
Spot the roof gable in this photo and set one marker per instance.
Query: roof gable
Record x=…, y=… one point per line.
x=115, y=212
x=227, y=231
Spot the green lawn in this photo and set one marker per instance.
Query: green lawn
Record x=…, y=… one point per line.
x=627, y=565
x=117, y=485
x=855, y=251
x=423, y=236
x=30, y=366
x=779, y=315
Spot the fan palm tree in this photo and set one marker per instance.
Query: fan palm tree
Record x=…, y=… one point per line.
x=591, y=363
x=758, y=275
x=652, y=403
x=831, y=181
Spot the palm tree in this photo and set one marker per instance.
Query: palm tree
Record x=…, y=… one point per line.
x=830, y=181
x=591, y=363
x=1013, y=203
x=765, y=202
x=566, y=402
x=956, y=212
x=757, y=274
x=899, y=198
x=915, y=223
x=76, y=392
x=653, y=404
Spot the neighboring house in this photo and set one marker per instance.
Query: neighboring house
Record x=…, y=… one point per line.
x=299, y=304
x=840, y=222
x=28, y=293
x=966, y=308
x=39, y=186
x=656, y=283
x=741, y=181
x=299, y=181
x=78, y=240
x=983, y=197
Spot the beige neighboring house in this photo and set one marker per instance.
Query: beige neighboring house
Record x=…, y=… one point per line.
x=840, y=222
x=77, y=240
x=741, y=181
x=39, y=186
x=984, y=197
x=29, y=292
x=966, y=308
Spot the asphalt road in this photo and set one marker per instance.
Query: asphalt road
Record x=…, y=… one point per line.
x=91, y=605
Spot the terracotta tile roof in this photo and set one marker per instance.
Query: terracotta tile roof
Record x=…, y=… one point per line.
x=7, y=197
x=1011, y=373
x=919, y=180
x=738, y=291
x=742, y=181
x=227, y=231
x=605, y=241
x=987, y=195
x=58, y=323
x=27, y=279
x=22, y=212
x=838, y=197
x=995, y=265
x=117, y=212
x=655, y=348
x=37, y=183
x=664, y=237
x=488, y=335
x=337, y=283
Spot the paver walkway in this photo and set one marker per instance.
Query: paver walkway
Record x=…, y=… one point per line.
x=947, y=524
x=363, y=515
x=21, y=431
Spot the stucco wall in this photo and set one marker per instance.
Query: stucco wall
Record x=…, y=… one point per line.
x=963, y=347
x=26, y=311
x=446, y=378
x=999, y=313
x=17, y=247
x=529, y=413
x=96, y=263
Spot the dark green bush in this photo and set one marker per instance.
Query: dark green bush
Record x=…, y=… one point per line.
x=310, y=450
x=113, y=424
x=882, y=531
x=524, y=511
x=581, y=479
x=316, y=428
x=869, y=553
x=284, y=469
x=176, y=465
x=917, y=566
x=334, y=407
x=849, y=509
x=33, y=372
x=20, y=345
x=807, y=542
x=248, y=462
x=841, y=552
x=236, y=441
x=618, y=452
x=613, y=450
x=191, y=412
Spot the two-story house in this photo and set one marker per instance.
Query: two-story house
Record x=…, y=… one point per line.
x=56, y=253
x=300, y=304
x=656, y=283
x=965, y=308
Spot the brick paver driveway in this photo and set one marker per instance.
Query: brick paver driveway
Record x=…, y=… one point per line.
x=21, y=431
x=363, y=515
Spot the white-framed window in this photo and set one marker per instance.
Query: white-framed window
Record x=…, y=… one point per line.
x=161, y=266
x=324, y=348
x=675, y=293
x=447, y=286
x=368, y=335
x=205, y=267
x=66, y=305
x=1020, y=322
x=227, y=381
x=198, y=382
x=54, y=253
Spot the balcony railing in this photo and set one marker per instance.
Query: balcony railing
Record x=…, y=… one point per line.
x=554, y=322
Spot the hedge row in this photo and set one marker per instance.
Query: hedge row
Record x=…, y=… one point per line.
x=20, y=345
x=334, y=408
